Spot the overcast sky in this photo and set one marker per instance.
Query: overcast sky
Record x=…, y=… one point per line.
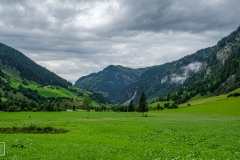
x=77, y=37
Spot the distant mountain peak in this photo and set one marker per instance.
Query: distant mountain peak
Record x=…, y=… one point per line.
x=110, y=80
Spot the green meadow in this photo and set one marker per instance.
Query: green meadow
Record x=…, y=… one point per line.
x=55, y=91
x=207, y=130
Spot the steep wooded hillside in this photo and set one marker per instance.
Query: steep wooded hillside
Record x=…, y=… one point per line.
x=214, y=69
x=110, y=80
x=26, y=86
x=28, y=69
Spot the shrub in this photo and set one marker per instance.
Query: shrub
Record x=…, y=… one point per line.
x=233, y=95
x=34, y=109
x=33, y=129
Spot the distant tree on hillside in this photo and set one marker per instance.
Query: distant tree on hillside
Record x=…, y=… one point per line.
x=158, y=106
x=142, y=105
x=74, y=108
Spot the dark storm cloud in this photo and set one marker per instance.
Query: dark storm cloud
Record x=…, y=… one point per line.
x=183, y=16
x=74, y=38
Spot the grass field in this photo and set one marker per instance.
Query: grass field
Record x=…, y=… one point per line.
x=202, y=131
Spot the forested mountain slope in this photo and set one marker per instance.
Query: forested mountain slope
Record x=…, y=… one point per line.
x=29, y=69
x=25, y=85
x=110, y=80
x=214, y=69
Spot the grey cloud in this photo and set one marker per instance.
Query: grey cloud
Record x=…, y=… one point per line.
x=23, y=15
x=184, y=15
x=74, y=38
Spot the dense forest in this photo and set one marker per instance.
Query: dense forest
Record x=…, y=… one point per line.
x=110, y=80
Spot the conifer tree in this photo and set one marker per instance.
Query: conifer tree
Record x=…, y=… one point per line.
x=142, y=105
x=131, y=106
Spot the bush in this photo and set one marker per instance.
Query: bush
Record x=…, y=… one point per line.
x=167, y=105
x=236, y=94
x=174, y=105
x=34, y=109
x=233, y=95
x=33, y=129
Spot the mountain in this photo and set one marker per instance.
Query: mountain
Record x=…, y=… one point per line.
x=25, y=85
x=29, y=69
x=211, y=70
x=110, y=80
x=170, y=77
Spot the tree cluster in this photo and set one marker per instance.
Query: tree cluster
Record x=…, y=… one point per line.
x=17, y=105
x=98, y=97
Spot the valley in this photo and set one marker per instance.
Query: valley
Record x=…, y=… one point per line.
x=184, y=109
x=213, y=70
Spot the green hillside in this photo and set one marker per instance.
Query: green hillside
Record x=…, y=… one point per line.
x=28, y=69
x=67, y=97
x=213, y=70
x=18, y=92
x=219, y=105
x=110, y=80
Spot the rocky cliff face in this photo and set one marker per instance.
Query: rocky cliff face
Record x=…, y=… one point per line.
x=167, y=78
x=214, y=69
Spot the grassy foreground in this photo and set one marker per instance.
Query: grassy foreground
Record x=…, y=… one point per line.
x=196, y=132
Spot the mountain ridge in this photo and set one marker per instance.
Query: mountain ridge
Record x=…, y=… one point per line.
x=110, y=80
x=27, y=86
x=165, y=79
x=28, y=68
x=207, y=70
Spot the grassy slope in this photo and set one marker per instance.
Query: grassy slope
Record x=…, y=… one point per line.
x=209, y=104
x=16, y=80
x=214, y=105
x=208, y=129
